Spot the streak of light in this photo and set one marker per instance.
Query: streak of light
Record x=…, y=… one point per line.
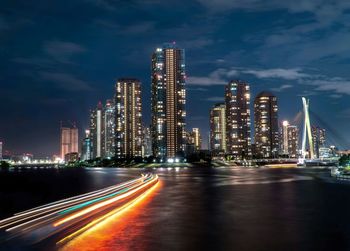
x=113, y=214
x=31, y=214
x=99, y=205
x=84, y=211
x=57, y=205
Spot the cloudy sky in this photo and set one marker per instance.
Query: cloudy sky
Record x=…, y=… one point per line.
x=59, y=58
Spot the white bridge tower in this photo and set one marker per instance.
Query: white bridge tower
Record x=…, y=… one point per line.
x=307, y=132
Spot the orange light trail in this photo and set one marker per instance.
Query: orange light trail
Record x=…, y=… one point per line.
x=80, y=212
x=99, y=205
x=35, y=212
x=113, y=214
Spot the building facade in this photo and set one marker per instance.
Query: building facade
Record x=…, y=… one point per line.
x=218, y=129
x=266, y=134
x=86, y=151
x=193, y=141
x=318, y=139
x=168, y=101
x=128, y=124
x=237, y=100
x=97, y=131
x=284, y=138
x=69, y=140
x=146, y=142
x=109, y=129
x=289, y=140
x=197, y=139
x=293, y=141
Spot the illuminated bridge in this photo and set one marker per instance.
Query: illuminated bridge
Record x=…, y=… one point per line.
x=37, y=165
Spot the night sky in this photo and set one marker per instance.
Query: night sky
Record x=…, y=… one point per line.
x=59, y=58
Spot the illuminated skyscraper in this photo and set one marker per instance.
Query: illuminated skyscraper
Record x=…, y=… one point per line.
x=197, y=139
x=168, y=101
x=289, y=139
x=146, y=142
x=322, y=137
x=293, y=141
x=237, y=99
x=69, y=140
x=266, y=125
x=193, y=141
x=1, y=150
x=218, y=129
x=97, y=131
x=128, y=125
x=318, y=139
x=102, y=130
x=86, y=152
x=109, y=129
x=65, y=141
x=284, y=137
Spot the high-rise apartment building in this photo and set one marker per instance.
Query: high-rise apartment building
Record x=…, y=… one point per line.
x=237, y=100
x=293, y=141
x=266, y=125
x=193, y=141
x=86, y=153
x=97, y=131
x=128, y=124
x=289, y=139
x=69, y=140
x=218, y=129
x=168, y=101
x=197, y=139
x=146, y=142
x=109, y=129
x=318, y=139
x=284, y=138
x=102, y=130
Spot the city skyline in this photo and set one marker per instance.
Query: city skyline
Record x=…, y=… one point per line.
x=230, y=122
x=174, y=125
x=58, y=75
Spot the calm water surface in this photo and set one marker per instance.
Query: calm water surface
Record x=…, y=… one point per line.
x=200, y=209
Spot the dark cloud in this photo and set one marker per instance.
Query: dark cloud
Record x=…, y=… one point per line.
x=62, y=51
x=324, y=10
x=130, y=29
x=198, y=43
x=281, y=88
x=344, y=113
x=65, y=81
x=215, y=99
x=197, y=89
x=3, y=24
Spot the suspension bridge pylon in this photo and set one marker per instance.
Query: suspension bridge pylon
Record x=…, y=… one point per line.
x=307, y=131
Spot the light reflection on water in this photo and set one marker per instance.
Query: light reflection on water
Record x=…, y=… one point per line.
x=115, y=232
x=219, y=209
x=231, y=209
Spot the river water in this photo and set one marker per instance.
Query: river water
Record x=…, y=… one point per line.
x=199, y=208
